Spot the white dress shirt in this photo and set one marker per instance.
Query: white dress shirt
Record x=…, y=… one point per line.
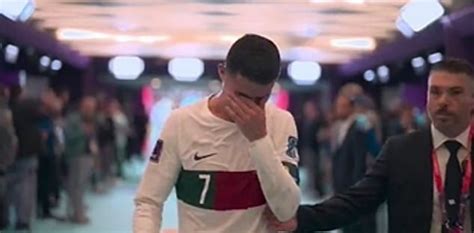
x=443, y=155
x=339, y=131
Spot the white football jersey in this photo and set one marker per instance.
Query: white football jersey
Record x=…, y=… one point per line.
x=223, y=182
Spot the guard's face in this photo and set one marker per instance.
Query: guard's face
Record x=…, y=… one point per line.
x=450, y=101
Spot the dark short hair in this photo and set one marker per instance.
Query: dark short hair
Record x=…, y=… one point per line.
x=254, y=57
x=454, y=66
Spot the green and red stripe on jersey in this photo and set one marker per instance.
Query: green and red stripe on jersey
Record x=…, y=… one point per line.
x=222, y=190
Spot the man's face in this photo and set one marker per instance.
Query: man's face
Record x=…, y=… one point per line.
x=242, y=87
x=343, y=107
x=450, y=101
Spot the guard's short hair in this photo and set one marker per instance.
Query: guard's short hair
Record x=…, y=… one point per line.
x=454, y=66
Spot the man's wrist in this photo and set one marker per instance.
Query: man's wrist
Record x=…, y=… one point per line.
x=257, y=138
x=258, y=143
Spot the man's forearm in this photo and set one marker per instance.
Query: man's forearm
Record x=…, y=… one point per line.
x=147, y=217
x=280, y=189
x=342, y=209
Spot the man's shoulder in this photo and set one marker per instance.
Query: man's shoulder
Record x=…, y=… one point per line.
x=183, y=114
x=188, y=110
x=415, y=138
x=278, y=114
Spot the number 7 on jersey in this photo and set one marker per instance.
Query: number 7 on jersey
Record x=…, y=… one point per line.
x=207, y=181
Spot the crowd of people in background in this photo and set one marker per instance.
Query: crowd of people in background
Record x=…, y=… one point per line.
x=50, y=146
x=338, y=145
x=355, y=122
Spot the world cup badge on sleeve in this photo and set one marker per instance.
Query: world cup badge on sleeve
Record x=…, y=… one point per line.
x=291, y=150
x=155, y=157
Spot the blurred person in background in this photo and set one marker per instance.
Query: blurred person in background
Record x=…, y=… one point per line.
x=23, y=185
x=122, y=130
x=402, y=120
x=351, y=90
x=8, y=147
x=364, y=105
x=106, y=138
x=59, y=147
x=81, y=147
x=408, y=121
x=48, y=171
x=369, y=119
x=138, y=132
x=309, y=147
x=63, y=94
x=391, y=119
x=324, y=139
x=129, y=111
x=352, y=139
x=325, y=135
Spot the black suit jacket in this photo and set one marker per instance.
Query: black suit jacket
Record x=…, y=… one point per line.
x=350, y=158
x=402, y=176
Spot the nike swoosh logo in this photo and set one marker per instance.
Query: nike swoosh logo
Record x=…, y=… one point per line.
x=197, y=157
